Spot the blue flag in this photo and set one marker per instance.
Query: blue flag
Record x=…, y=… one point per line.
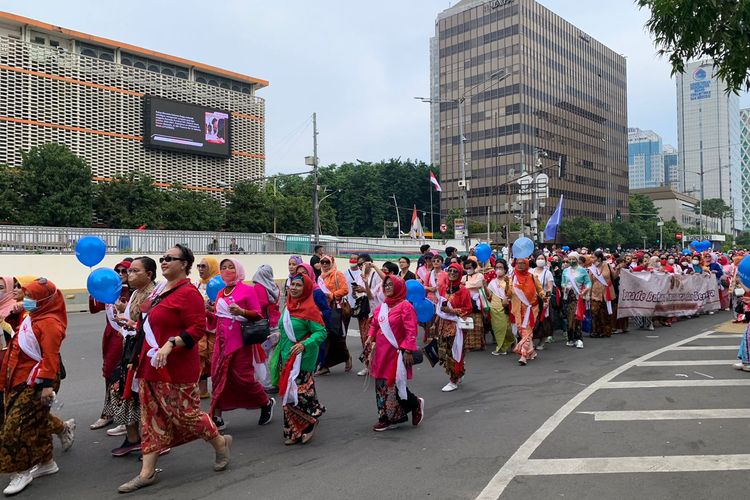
x=550, y=230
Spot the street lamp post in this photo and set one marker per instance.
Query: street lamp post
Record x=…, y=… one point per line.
x=317, y=209
x=495, y=77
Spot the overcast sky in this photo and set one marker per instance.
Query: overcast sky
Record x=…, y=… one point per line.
x=357, y=64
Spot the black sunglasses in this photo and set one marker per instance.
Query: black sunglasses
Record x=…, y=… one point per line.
x=201, y=266
x=121, y=270
x=451, y=271
x=168, y=258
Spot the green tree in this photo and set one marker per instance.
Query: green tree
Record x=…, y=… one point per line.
x=716, y=207
x=249, y=209
x=685, y=30
x=130, y=201
x=577, y=231
x=9, y=197
x=54, y=188
x=191, y=210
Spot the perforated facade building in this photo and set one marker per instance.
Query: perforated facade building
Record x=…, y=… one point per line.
x=59, y=85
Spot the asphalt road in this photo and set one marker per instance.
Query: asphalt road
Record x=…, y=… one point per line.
x=466, y=438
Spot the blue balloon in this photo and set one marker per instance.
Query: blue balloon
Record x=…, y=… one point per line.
x=695, y=244
x=90, y=250
x=425, y=310
x=686, y=251
x=523, y=247
x=415, y=291
x=483, y=252
x=743, y=271
x=706, y=245
x=214, y=286
x=565, y=248
x=104, y=285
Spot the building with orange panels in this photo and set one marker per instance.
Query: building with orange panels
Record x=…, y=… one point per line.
x=125, y=108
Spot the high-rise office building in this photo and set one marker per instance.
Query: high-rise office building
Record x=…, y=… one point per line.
x=645, y=159
x=125, y=108
x=745, y=166
x=671, y=167
x=531, y=88
x=708, y=132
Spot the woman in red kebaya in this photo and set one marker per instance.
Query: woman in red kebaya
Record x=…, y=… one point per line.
x=173, y=320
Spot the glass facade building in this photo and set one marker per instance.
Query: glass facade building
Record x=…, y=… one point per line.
x=708, y=131
x=645, y=159
x=563, y=101
x=745, y=165
x=671, y=167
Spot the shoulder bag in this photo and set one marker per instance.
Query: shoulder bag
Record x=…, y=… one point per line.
x=255, y=332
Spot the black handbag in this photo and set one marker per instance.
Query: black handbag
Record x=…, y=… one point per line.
x=255, y=332
x=431, y=352
x=334, y=323
x=416, y=357
x=361, y=307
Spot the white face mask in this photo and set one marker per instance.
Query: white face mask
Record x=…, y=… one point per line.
x=670, y=261
x=469, y=272
x=540, y=263
x=500, y=272
x=696, y=262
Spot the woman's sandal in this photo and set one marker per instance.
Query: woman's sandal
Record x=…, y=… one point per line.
x=323, y=371
x=307, y=437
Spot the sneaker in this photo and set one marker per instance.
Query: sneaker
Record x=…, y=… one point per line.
x=746, y=368
x=449, y=387
x=126, y=448
x=418, y=414
x=220, y=424
x=382, y=426
x=119, y=430
x=540, y=347
x=738, y=366
x=650, y=328
x=495, y=353
x=222, y=458
x=522, y=361
x=18, y=481
x=47, y=469
x=102, y=422
x=68, y=435
x=570, y=343
x=137, y=483
x=363, y=372
x=549, y=340
x=503, y=353
x=579, y=344
x=266, y=413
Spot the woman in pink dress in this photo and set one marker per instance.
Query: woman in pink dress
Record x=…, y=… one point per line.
x=234, y=365
x=394, y=332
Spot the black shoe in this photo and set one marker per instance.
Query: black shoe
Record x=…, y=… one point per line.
x=219, y=422
x=266, y=413
x=126, y=448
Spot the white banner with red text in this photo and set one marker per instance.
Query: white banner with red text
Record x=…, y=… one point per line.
x=667, y=295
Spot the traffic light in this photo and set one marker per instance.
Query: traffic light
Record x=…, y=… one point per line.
x=561, y=163
x=618, y=216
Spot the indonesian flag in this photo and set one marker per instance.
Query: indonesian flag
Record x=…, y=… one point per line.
x=142, y=227
x=416, y=225
x=434, y=182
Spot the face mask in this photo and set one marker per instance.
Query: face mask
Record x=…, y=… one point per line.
x=573, y=263
x=229, y=275
x=500, y=272
x=469, y=272
x=353, y=262
x=29, y=304
x=670, y=261
x=540, y=263
x=695, y=262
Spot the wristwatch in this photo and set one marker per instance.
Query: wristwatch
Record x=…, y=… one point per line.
x=172, y=341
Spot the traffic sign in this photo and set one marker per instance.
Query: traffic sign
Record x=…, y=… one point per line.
x=443, y=228
x=678, y=236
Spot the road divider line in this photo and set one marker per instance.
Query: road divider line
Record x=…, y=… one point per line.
x=653, y=384
x=520, y=459
x=630, y=465
x=725, y=336
x=707, y=348
x=703, y=414
x=690, y=362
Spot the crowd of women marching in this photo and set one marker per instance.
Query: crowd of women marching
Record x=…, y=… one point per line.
x=167, y=344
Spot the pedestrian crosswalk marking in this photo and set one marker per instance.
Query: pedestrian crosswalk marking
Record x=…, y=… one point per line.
x=652, y=384
x=630, y=465
x=689, y=362
x=706, y=348
x=702, y=414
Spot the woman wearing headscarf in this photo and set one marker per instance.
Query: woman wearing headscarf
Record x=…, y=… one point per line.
x=500, y=294
x=333, y=283
x=127, y=406
x=269, y=297
x=208, y=267
x=292, y=264
x=173, y=319
x=236, y=367
x=10, y=310
x=474, y=282
x=293, y=361
x=527, y=292
x=318, y=295
x=394, y=333
x=454, y=304
x=543, y=330
x=31, y=371
x=112, y=345
x=557, y=304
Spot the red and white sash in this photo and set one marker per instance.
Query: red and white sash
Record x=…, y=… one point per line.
x=111, y=312
x=385, y=327
x=290, y=394
x=497, y=290
x=30, y=346
x=580, y=306
x=528, y=318
x=322, y=285
x=607, y=292
x=457, y=350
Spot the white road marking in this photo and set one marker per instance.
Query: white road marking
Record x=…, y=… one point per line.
x=734, y=336
x=707, y=348
x=654, y=384
x=618, y=416
x=690, y=362
x=520, y=458
x=629, y=465
x=703, y=374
